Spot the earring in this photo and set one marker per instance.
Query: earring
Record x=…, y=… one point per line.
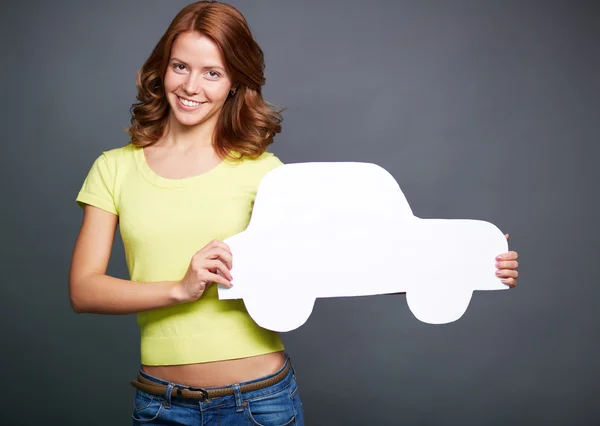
x=232, y=92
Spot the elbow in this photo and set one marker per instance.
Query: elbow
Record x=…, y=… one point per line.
x=78, y=309
x=78, y=303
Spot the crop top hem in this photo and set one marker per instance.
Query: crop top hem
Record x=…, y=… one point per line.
x=195, y=349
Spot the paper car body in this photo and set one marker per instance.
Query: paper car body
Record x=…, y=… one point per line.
x=346, y=229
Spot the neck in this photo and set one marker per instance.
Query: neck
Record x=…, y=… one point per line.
x=186, y=138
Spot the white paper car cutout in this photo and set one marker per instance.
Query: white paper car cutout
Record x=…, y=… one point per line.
x=346, y=229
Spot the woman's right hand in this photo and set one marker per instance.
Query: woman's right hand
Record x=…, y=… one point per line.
x=204, y=267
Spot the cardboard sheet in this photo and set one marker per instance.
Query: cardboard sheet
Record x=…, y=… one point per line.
x=346, y=229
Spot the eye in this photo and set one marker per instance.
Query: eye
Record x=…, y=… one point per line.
x=179, y=67
x=213, y=75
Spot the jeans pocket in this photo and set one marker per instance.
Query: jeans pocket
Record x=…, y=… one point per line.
x=276, y=409
x=146, y=407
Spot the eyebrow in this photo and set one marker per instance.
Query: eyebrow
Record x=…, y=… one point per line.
x=206, y=67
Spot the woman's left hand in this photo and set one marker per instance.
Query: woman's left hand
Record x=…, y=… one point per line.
x=506, y=265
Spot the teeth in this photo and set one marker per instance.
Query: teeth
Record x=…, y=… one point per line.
x=189, y=103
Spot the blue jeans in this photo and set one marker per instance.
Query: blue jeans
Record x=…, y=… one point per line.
x=276, y=405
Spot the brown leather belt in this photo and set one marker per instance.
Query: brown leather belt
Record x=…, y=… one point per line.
x=154, y=388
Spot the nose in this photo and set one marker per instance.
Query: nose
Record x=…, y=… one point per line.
x=191, y=85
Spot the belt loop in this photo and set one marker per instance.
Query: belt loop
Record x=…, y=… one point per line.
x=289, y=360
x=239, y=404
x=168, y=393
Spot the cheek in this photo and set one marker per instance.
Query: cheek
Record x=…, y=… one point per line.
x=172, y=81
x=218, y=92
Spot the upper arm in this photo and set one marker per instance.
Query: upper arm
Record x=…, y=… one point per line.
x=93, y=245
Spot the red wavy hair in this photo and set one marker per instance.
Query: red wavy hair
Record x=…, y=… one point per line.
x=247, y=124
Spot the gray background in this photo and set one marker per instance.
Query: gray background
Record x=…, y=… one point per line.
x=480, y=109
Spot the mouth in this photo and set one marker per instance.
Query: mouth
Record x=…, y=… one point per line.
x=188, y=103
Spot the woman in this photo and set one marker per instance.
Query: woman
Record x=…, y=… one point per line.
x=186, y=182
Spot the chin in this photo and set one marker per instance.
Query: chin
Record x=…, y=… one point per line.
x=190, y=123
x=189, y=120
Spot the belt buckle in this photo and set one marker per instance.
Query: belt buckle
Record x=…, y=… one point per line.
x=201, y=390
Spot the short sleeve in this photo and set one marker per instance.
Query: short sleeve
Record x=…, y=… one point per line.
x=98, y=186
x=271, y=161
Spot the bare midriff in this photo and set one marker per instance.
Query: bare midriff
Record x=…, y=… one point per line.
x=218, y=373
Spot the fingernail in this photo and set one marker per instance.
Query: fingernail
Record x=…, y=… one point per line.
x=498, y=257
x=497, y=265
x=505, y=281
x=497, y=272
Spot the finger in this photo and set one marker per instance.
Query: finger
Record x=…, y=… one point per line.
x=225, y=256
x=509, y=255
x=221, y=245
x=510, y=264
x=511, y=282
x=216, y=278
x=216, y=253
x=507, y=273
x=214, y=244
x=218, y=266
x=507, y=236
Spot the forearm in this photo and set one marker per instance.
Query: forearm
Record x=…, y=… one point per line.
x=103, y=294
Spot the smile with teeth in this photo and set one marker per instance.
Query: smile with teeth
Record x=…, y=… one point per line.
x=189, y=103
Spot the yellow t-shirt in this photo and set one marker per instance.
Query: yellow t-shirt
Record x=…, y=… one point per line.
x=163, y=223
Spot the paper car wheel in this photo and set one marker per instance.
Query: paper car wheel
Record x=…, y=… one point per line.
x=439, y=307
x=287, y=312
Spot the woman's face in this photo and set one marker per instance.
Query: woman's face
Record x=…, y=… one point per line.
x=196, y=82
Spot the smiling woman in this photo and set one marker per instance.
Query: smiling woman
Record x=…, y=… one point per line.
x=186, y=181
